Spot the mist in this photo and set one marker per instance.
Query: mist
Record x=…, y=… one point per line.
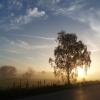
x=10, y=76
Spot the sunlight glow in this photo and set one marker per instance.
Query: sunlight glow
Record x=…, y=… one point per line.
x=81, y=73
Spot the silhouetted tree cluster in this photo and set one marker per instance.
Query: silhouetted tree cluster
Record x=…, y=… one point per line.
x=28, y=74
x=69, y=54
x=7, y=71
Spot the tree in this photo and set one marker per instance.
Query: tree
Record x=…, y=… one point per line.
x=7, y=71
x=28, y=74
x=69, y=54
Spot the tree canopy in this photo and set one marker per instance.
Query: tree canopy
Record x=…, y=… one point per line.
x=7, y=71
x=69, y=54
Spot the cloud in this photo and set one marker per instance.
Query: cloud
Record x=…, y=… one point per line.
x=15, y=4
x=35, y=12
x=18, y=13
x=95, y=27
x=94, y=21
x=28, y=36
x=1, y=6
x=48, y=2
x=30, y=14
x=10, y=50
x=18, y=45
x=92, y=46
x=44, y=38
x=80, y=12
x=67, y=8
x=83, y=12
x=91, y=18
x=38, y=37
x=23, y=45
x=56, y=1
x=27, y=46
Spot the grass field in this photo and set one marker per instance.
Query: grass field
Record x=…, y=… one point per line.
x=21, y=91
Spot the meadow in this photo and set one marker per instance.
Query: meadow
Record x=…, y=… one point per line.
x=20, y=88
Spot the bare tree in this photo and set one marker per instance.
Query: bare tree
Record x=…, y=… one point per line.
x=69, y=54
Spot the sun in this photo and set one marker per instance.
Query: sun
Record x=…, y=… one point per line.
x=81, y=73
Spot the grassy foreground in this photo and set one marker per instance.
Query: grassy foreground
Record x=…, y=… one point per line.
x=15, y=93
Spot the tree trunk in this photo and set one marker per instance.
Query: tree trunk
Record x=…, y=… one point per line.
x=68, y=76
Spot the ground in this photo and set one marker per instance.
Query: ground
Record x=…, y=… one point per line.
x=86, y=93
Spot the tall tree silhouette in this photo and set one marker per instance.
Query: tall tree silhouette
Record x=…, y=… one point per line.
x=69, y=54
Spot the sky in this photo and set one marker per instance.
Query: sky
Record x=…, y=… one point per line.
x=28, y=30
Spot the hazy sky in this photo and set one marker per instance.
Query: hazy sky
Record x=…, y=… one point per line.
x=28, y=29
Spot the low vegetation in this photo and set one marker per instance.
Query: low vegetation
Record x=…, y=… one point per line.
x=22, y=92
